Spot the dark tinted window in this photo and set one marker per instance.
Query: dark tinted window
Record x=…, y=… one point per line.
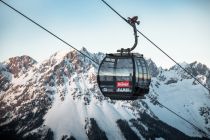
x=124, y=70
x=107, y=72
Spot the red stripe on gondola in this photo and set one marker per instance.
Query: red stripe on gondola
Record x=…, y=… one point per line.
x=123, y=84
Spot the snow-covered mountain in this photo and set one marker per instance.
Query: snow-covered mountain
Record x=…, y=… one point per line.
x=59, y=99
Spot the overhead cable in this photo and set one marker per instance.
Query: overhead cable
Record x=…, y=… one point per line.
x=176, y=114
x=156, y=45
x=90, y=57
x=36, y=23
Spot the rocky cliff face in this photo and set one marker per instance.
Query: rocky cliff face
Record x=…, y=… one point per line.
x=154, y=71
x=59, y=99
x=14, y=67
x=19, y=65
x=200, y=71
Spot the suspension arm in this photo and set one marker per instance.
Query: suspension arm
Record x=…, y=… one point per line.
x=132, y=21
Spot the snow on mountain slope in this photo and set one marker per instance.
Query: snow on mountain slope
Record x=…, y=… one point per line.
x=184, y=99
x=176, y=90
x=59, y=99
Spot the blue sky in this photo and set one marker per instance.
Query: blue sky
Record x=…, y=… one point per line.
x=180, y=27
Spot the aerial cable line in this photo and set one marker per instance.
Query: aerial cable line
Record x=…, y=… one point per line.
x=173, y=60
x=155, y=45
x=199, y=129
x=90, y=57
x=48, y=31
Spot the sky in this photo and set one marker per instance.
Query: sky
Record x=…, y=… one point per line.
x=180, y=27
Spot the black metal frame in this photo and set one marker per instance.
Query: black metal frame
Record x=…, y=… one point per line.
x=137, y=91
x=125, y=95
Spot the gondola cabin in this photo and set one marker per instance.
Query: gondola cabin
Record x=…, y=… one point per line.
x=124, y=76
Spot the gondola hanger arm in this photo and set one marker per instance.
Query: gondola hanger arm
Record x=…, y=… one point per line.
x=132, y=21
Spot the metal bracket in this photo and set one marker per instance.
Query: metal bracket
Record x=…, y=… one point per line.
x=132, y=21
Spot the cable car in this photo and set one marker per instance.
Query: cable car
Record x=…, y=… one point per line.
x=124, y=75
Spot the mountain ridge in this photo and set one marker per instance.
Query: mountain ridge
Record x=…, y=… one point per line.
x=34, y=100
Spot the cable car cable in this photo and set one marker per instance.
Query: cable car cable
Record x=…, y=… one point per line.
x=90, y=57
x=173, y=60
x=200, y=130
x=169, y=58
x=156, y=45
x=26, y=17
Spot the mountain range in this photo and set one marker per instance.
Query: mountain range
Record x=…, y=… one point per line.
x=59, y=98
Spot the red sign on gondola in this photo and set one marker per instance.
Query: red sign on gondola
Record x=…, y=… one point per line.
x=123, y=84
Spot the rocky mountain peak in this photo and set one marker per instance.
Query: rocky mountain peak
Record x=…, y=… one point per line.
x=19, y=64
x=195, y=68
x=199, y=69
x=59, y=99
x=154, y=71
x=178, y=68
